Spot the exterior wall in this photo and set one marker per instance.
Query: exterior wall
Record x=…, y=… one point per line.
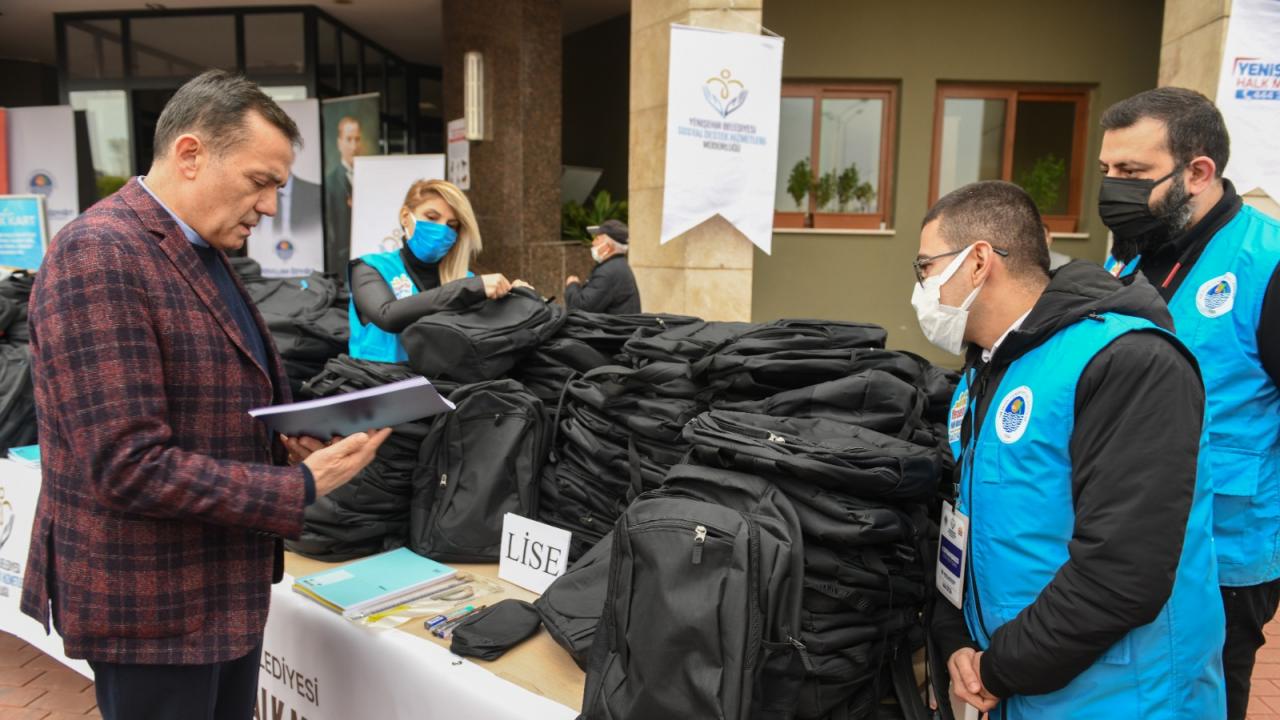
x=1112, y=46
x=515, y=171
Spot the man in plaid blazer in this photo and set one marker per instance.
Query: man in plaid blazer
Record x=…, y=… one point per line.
x=158, y=531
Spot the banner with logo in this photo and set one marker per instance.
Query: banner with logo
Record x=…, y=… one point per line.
x=1249, y=95
x=19, y=491
x=42, y=160
x=318, y=666
x=24, y=234
x=381, y=184
x=352, y=128
x=723, y=104
x=291, y=244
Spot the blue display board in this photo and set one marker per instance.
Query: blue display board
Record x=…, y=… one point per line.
x=23, y=231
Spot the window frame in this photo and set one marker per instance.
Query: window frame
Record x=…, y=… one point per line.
x=817, y=91
x=1012, y=93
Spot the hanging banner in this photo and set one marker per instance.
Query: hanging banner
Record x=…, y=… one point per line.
x=352, y=127
x=459, y=154
x=1249, y=95
x=42, y=160
x=381, y=184
x=291, y=244
x=23, y=231
x=723, y=102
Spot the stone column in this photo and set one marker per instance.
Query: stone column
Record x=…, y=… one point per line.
x=515, y=171
x=1191, y=46
x=706, y=271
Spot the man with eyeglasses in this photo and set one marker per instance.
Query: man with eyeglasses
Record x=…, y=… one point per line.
x=1072, y=562
x=1216, y=261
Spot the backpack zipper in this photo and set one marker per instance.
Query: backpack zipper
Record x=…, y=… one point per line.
x=699, y=539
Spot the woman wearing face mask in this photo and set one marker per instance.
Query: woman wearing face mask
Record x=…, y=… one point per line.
x=390, y=290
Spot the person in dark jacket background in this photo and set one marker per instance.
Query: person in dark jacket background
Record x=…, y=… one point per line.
x=612, y=286
x=1075, y=564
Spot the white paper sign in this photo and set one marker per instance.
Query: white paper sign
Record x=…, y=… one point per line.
x=723, y=103
x=378, y=189
x=291, y=244
x=533, y=554
x=1249, y=95
x=459, y=154
x=42, y=160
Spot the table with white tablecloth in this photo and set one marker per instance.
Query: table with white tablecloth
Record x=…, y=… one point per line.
x=321, y=667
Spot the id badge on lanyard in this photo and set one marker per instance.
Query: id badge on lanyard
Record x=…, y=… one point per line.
x=953, y=552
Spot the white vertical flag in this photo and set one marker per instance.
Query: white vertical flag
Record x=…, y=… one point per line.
x=723, y=100
x=1249, y=95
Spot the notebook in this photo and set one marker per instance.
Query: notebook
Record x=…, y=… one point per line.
x=28, y=455
x=376, y=583
x=383, y=406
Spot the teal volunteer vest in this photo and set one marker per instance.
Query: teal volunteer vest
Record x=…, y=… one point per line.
x=1016, y=490
x=1216, y=312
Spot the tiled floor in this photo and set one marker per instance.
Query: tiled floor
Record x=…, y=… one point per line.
x=34, y=686
x=1264, y=701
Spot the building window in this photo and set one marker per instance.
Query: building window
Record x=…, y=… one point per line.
x=1031, y=136
x=834, y=155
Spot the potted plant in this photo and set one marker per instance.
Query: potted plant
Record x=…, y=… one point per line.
x=798, y=183
x=1043, y=182
x=575, y=218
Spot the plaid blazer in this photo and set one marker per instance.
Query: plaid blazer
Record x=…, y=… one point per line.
x=157, y=534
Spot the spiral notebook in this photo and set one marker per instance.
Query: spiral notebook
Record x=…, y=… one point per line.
x=375, y=583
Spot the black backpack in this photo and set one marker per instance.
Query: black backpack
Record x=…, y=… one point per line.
x=17, y=398
x=476, y=464
x=571, y=606
x=482, y=342
x=702, y=610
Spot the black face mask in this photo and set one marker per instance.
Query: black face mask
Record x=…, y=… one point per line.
x=1125, y=208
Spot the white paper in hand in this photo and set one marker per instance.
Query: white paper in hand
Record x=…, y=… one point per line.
x=349, y=413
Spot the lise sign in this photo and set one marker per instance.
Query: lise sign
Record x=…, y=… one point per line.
x=533, y=554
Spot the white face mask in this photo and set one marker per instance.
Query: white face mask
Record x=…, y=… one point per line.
x=942, y=324
x=597, y=254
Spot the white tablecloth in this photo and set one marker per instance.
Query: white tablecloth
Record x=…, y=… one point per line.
x=314, y=663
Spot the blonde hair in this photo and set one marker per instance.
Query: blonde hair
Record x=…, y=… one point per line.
x=456, y=262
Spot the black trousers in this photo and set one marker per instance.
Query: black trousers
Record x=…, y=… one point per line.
x=1248, y=610
x=220, y=691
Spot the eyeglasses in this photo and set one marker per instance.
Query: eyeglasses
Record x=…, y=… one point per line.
x=919, y=264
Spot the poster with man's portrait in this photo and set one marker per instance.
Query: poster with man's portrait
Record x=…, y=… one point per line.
x=352, y=127
x=291, y=244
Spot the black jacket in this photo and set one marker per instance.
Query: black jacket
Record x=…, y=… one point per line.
x=376, y=303
x=610, y=289
x=1139, y=408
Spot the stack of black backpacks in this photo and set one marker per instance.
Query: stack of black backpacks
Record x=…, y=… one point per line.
x=17, y=394
x=750, y=503
x=371, y=512
x=307, y=317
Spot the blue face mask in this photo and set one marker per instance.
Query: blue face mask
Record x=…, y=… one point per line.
x=430, y=241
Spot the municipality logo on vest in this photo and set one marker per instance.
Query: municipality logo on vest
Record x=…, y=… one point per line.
x=1014, y=415
x=1217, y=296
